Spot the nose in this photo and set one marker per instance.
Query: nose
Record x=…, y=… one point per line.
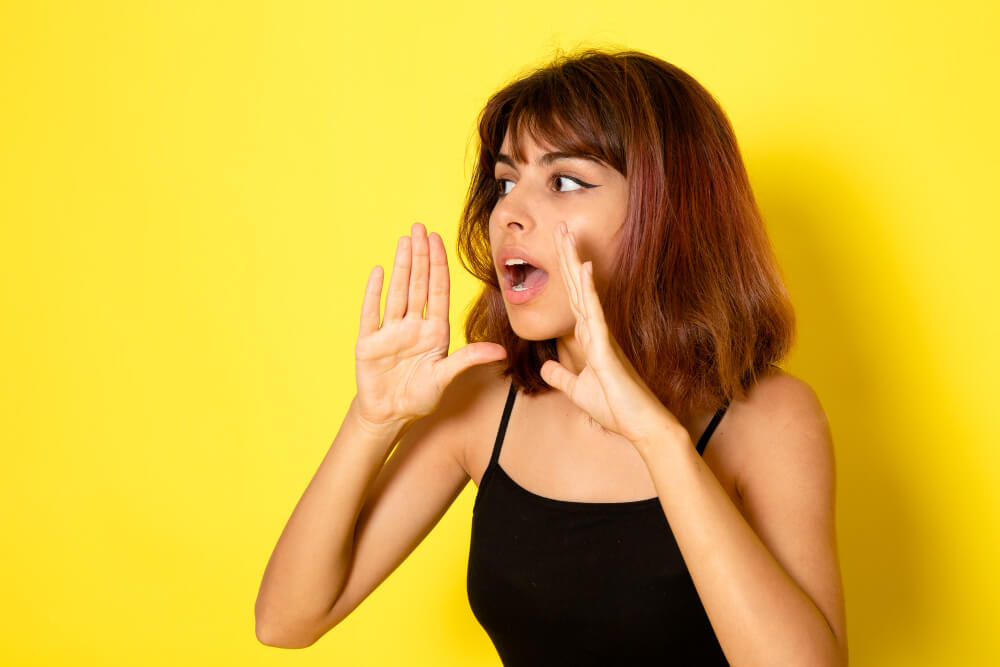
x=517, y=209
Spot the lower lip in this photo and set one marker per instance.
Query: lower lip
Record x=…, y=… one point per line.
x=524, y=296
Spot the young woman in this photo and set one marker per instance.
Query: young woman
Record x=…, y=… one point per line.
x=652, y=488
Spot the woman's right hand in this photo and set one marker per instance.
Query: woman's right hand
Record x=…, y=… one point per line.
x=403, y=366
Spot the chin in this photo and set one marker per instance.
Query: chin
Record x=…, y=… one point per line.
x=539, y=326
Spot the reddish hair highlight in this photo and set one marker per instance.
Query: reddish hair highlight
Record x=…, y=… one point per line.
x=699, y=305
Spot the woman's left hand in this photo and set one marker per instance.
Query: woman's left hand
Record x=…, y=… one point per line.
x=608, y=387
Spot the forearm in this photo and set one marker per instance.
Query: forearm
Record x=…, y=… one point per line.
x=759, y=614
x=310, y=563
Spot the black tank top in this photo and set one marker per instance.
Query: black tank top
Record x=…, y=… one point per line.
x=557, y=582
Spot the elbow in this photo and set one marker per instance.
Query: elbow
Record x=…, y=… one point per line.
x=831, y=653
x=839, y=650
x=279, y=632
x=271, y=635
x=841, y=660
x=835, y=657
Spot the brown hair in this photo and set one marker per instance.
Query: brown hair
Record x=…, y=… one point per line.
x=698, y=304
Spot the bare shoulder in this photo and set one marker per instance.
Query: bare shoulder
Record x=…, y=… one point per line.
x=787, y=484
x=469, y=401
x=783, y=396
x=782, y=426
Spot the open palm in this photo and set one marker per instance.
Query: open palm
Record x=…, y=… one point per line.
x=403, y=366
x=608, y=387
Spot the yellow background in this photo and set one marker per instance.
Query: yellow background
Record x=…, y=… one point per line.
x=192, y=195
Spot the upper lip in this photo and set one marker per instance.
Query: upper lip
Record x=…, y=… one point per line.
x=513, y=251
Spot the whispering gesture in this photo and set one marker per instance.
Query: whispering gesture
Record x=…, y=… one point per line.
x=608, y=387
x=402, y=364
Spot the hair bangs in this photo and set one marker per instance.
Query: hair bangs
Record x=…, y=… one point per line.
x=555, y=115
x=696, y=336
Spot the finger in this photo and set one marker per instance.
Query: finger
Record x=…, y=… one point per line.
x=395, y=302
x=370, y=304
x=440, y=287
x=597, y=326
x=592, y=302
x=567, y=275
x=558, y=376
x=418, y=272
x=573, y=263
x=596, y=310
x=470, y=355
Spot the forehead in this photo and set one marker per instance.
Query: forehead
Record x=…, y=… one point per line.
x=544, y=139
x=526, y=142
x=540, y=152
x=528, y=131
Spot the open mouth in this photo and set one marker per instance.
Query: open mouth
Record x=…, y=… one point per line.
x=524, y=276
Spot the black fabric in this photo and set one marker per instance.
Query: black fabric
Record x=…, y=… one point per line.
x=557, y=582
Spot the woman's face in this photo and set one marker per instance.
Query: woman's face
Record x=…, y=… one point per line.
x=534, y=198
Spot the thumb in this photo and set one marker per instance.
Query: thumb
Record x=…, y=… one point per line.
x=558, y=376
x=465, y=357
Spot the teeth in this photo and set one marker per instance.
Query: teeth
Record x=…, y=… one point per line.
x=517, y=261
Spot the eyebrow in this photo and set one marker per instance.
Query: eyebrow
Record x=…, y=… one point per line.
x=548, y=158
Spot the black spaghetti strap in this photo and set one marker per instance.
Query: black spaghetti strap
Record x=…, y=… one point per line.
x=511, y=393
x=703, y=440
x=495, y=457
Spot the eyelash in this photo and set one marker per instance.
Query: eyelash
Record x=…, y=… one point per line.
x=555, y=178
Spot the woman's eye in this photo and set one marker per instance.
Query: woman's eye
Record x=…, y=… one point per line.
x=569, y=184
x=575, y=184
x=501, y=188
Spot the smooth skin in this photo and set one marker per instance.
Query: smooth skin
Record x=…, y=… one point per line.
x=765, y=562
x=403, y=366
x=361, y=515
x=760, y=613
x=761, y=552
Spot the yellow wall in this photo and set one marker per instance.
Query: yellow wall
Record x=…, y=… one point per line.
x=191, y=198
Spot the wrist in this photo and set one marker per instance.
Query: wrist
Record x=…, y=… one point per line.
x=662, y=435
x=389, y=430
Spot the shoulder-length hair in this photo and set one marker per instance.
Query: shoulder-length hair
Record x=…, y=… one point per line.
x=696, y=301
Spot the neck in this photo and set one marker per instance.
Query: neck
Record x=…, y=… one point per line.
x=570, y=353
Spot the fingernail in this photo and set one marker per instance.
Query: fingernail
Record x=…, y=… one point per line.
x=562, y=227
x=572, y=239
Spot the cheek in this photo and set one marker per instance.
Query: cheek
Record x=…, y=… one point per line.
x=602, y=250
x=493, y=232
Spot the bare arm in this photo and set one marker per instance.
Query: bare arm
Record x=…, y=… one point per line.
x=310, y=562
x=359, y=519
x=361, y=516
x=768, y=577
